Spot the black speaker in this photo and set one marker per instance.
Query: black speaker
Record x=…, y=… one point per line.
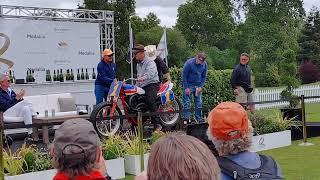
x=20, y=81
x=199, y=131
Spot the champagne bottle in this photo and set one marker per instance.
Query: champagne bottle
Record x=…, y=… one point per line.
x=58, y=75
x=54, y=75
x=71, y=76
x=87, y=74
x=61, y=76
x=93, y=74
x=32, y=76
x=78, y=75
x=27, y=77
x=82, y=74
x=13, y=77
x=10, y=76
x=68, y=75
x=49, y=76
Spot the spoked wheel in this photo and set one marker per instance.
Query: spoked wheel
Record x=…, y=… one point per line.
x=169, y=119
x=106, y=127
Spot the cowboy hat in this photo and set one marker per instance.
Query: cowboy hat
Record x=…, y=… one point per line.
x=151, y=52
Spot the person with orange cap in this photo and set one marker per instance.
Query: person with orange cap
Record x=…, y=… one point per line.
x=106, y=73
x=230, y=131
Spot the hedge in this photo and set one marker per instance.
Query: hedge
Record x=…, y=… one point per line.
x=217, y=87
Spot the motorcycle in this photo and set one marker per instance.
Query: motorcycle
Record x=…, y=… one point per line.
x=133, y=100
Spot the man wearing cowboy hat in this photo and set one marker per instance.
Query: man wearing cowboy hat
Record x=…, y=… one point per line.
x=152, y=54
x=148, y=79
x=106, y=74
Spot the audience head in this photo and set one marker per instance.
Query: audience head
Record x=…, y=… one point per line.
x=138, y=52
x=76, y=148
x=201, y=58
x=180, y=157
x=244, y=58
x=4, y=81
x=107, y=55
x=229, y=128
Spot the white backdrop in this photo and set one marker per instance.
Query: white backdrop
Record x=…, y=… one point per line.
x=42, y=45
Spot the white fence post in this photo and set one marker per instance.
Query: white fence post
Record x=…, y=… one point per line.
x=274, y=94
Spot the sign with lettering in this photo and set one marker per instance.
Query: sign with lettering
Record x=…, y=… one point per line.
x=41, y=45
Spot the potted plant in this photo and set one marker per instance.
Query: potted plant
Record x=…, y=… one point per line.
x=270, y=131
x=35, y=165
x=132, y=157
x=112, y=152
x=293, y=111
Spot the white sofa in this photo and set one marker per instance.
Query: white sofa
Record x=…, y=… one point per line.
x=40, y=104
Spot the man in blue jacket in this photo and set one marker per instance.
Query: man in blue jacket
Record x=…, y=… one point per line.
x=194, y=75
x=106, y=74
x=13, y=104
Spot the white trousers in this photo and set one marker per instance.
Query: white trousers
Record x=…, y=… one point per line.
x=21, y=109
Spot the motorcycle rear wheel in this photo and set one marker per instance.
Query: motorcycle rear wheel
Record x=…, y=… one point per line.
x=168, y=120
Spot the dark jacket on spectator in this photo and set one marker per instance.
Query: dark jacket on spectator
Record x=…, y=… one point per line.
x=161, y=67
x=6, y=100
x=241, y=76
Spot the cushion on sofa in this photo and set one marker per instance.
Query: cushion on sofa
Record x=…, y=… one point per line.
x=67, y=104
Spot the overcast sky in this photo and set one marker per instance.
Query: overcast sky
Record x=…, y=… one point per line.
x=166, y=10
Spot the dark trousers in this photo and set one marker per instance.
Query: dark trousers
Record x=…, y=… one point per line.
x=151, y=97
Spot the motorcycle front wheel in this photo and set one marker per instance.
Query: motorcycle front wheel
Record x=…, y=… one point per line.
x=106, y=127
x=169, y=119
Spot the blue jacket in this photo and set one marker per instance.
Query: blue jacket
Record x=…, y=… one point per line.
x=7, y=101
x=194, y=74
x=106, y=73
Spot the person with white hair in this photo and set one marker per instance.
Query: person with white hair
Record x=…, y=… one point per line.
x=13, y=104
x=152, y=54
x=230, y=131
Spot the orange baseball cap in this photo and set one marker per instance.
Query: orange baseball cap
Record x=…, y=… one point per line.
x=107, y=52
x=228, y=121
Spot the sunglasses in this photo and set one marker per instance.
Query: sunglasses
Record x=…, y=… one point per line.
x=109, y=55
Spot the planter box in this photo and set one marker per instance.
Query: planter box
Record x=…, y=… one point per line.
x=132, y=163
x=115, y=168
x=271, y=141
x=48, y=174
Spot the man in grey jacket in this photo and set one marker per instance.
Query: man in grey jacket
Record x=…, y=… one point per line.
x=148, y=80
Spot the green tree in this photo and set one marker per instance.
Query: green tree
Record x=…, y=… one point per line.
x=309, y=40
x=122, y=9
x=207, y=22
x=271, y=30
x=177, y=46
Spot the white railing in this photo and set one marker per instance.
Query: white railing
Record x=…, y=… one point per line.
x=274, y=94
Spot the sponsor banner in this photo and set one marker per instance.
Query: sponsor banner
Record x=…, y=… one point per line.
x=43, y=45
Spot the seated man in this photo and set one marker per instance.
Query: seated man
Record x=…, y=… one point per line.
x=76, y=152
x=231, y=132
x=13, y=105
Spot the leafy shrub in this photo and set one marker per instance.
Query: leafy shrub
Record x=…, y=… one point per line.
x=309, y=72
x=269, y=123
x=270, y=78
x=131, y=144
x=217, y=87
x=112, y=147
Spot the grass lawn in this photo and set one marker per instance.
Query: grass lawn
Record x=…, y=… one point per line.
x=298, y=162
x=312, y=112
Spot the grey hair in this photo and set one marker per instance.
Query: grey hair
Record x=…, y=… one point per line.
x=2, y=76
x=235, y=146
x=245, y=54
